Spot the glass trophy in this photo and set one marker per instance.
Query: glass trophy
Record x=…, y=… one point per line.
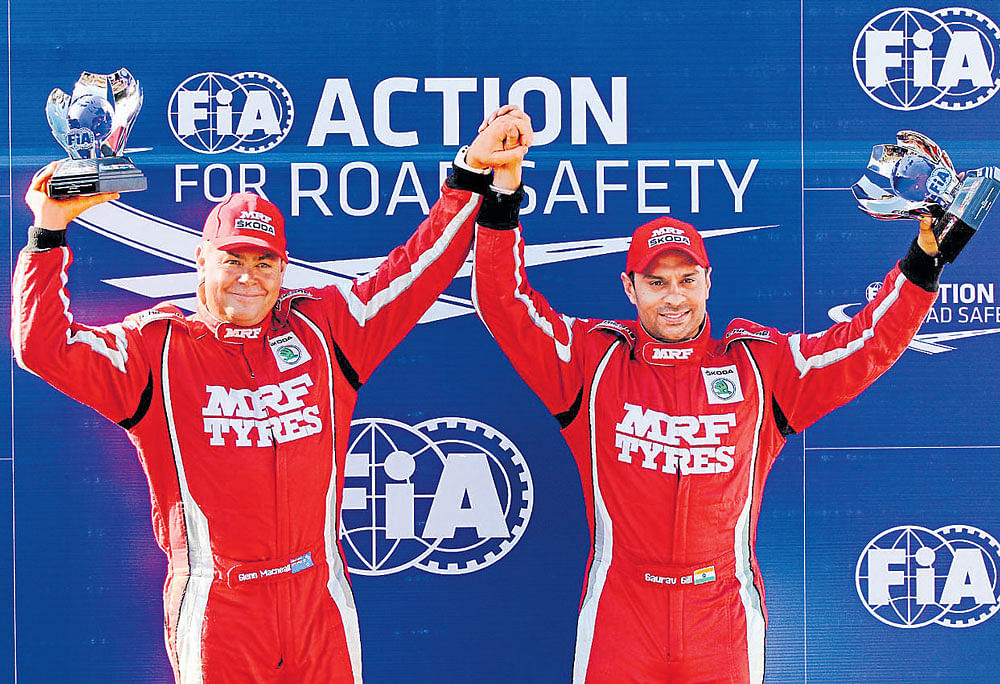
x=92, y=125
x=918, y=179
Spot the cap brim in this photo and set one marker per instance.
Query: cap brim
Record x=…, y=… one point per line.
x=247, y=241
x=640, y=265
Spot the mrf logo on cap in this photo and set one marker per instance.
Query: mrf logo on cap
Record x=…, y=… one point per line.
x=255, y=220
x=246, y=220
x=667, y=234
x=661, y=235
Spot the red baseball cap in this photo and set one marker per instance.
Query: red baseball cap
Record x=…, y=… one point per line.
x=663, y=235
x=246, y=220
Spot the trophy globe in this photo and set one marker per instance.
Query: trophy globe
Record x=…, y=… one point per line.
x=90, y=117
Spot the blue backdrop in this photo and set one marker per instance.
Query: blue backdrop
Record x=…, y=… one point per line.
x=739, y=115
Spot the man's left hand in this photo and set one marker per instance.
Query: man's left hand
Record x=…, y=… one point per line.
x=926, y=239
x=56, y=214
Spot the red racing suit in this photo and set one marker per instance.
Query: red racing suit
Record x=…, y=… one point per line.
x=673, y=443
x=242, y=433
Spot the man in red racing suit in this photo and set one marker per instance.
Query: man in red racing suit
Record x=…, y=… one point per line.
x=674, y=434
x=242, y=427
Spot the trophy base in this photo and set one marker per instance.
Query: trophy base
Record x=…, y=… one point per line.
x=74, y=177
x=960, y=221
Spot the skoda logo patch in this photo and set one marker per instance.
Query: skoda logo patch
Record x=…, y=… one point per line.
x=288, y=350
x=722, y=385
x=289, y=353
x=723, y=388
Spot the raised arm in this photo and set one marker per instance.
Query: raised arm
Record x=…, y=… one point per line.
x=102, y=367
x=819, y=372
x=538, y=340
x=371, y=316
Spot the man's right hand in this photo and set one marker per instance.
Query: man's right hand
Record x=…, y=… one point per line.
x=54, y=214
x=503, y=140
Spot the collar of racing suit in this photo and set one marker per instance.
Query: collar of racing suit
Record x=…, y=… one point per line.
x=658, y=353
x=230, y=332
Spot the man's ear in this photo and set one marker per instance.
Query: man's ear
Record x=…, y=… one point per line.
x=629, y=286
x=200, y=254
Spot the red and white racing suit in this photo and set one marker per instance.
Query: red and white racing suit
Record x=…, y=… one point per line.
x=242, y=433
x=673, y=443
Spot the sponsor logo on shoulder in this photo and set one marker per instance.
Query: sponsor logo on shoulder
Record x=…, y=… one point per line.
x=294, y=294
x=722, y=385
x=617, y=327
x=144, y=317
x=743, y=332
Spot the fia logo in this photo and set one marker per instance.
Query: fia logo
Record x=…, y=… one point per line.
x=80, y=138
x=247, y=112
x=448, y=496
x=940, y=180
x=908, y=58
x=912, y=576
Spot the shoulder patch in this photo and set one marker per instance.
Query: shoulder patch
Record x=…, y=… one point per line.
x=286, y=298
x=165, y=312
x=289, y=295
x=283, y=307
x=618, y=328
x=742, y=329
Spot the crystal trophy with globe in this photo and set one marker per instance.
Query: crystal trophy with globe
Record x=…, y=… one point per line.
x=92, y=127
x=920, y=180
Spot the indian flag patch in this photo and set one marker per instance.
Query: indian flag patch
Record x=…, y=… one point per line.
x=704, y=575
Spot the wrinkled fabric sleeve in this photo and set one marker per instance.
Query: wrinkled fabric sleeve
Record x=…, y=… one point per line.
x=369, y=316
x=819, y=372
x=103, y=367
x=541, y=343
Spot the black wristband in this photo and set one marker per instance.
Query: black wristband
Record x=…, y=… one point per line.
x=462, y=179
x=500, y=210
x=922, y=269
x=42, y=240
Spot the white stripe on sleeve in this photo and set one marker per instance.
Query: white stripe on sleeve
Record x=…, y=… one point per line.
x=831, y=356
